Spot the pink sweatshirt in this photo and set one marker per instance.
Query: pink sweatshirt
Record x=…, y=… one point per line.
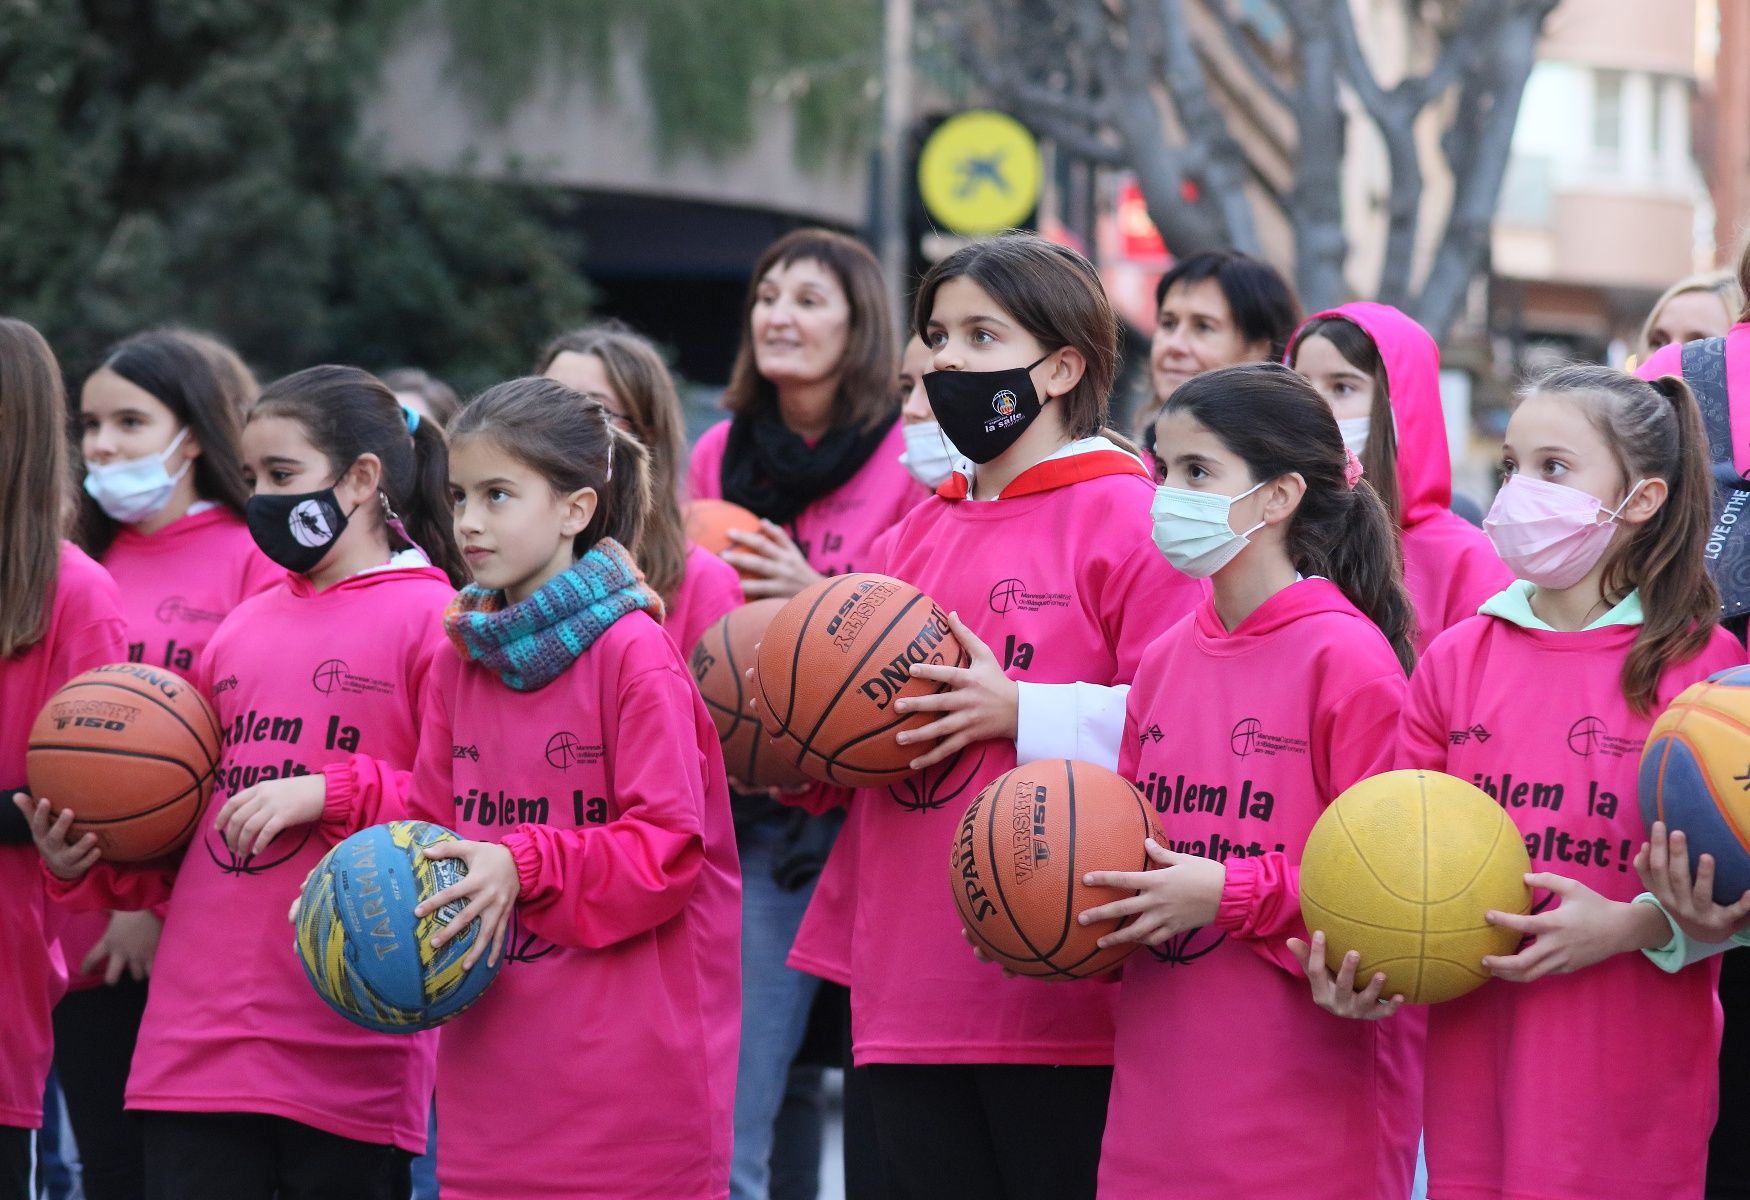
x=601, y=1063
x=1061, y=579
x=85, y=630
x=709, y=589
x=1241, y=739
x=299, y=679
x=836, y=531
x=176, y=586
x=1449, y=566
x=1598, y=1083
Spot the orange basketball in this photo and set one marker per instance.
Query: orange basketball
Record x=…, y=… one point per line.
x=133, y=751
x=724, y=652
x=831, y=665
x=1020, y=853
x=709, y=523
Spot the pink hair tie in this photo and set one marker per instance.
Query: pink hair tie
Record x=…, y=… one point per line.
x=1352, y=471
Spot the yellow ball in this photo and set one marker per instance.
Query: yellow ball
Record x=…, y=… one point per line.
x=1402, y=867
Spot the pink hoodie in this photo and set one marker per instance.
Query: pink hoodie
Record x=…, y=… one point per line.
x=1061, y=579
x=1449, y=566
x=299, y=679
x=1598, y=1083
x=601, y=1063
x=709, y=589
x=176, y=586
x=84, y=630
x=836, y=531
x=1241, y=739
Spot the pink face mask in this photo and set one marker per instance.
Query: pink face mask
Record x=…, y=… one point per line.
x=1550, y=534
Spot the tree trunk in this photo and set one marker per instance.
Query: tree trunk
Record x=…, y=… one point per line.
x=1315, y=206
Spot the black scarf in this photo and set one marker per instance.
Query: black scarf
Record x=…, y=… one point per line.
x=770, y=471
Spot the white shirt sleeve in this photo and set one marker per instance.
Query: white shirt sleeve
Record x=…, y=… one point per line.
x=1083, y=721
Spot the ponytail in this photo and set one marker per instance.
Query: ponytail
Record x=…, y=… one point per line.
x=347, y=413
x=1656, y=432
x=572, y=443
x=1274, y=420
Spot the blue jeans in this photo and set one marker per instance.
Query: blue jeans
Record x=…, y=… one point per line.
x=774, y=1017
x=53, y=1176
x=425, y=1185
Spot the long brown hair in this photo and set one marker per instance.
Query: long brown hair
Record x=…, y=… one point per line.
x=641, y=380
x=1274, y=420
x=1655, y=431
x=1056, y=296
x=1379, y=458
x=571, y=443
x=34, y=501
x=185, y=376
x=346, y=413
x=865, y=397
x=1744, y=280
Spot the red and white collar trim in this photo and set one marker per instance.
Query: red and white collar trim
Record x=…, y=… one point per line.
x=1088, y=458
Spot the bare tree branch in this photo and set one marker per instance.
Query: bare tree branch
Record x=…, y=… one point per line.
x=1240, y=42
x=1315, y=205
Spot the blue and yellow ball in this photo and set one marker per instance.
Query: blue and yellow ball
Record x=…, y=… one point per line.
x=366, y=953
x=1695, y=775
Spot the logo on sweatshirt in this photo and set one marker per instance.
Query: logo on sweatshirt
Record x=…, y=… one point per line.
x=1248, y=737
x=1186, y=948
x=1459, y=737
x=470, y=752
x=935, y=786
x=1007, y=595
x=564, y=751
x=1590, y=735
x=333, y=675
x=521, y=946
x=1151, y=734
x=175, y=608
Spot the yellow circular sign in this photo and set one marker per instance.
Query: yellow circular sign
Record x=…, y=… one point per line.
x=979, y=173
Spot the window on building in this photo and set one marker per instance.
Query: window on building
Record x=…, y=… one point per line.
x=1661, y=101
x=1607, y=89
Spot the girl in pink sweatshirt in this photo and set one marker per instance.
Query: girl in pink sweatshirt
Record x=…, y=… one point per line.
x=623, y=372
x=59, y=616
x=981, y=1084
x=1247, y=718
x=249, y=1087
x=163, y=511
x=1544, y=701
x=563, y=737
x=1380, y=373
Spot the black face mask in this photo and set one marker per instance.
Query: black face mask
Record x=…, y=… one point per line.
x=984, y=412
x=297, y=532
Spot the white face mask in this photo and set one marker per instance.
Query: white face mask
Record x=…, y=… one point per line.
x=1355, y=431
x=136, y=488
x=929, y=455
x=1192, y=529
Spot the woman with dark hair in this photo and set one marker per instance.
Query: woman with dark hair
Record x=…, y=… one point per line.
x=1217, y=309
x=813, y=448
x=163, y=512
x=425, y=394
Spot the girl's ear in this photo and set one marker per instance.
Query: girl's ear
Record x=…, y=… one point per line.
x=1064, y=370
x=579, y=510
x=1282, y=497
x=360, y=482
x=1648, y=499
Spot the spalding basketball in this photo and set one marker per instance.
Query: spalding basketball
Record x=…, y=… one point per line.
x=133, y=751
x=709, y=523
x=1692, y=776
x=1402, y=867
x=366, y=953
x=1020, y=853
x=831, y=665
x=720, y=662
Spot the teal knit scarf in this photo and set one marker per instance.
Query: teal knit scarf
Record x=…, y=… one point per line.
x=530, y=644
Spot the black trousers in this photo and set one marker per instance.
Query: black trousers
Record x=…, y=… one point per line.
x=17, y=1154
x=989, y=1132
x=95, y=1032
x=249, y=1156
x=1728, y=1153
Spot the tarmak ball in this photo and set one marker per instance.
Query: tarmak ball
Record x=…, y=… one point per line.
x=1693, y=773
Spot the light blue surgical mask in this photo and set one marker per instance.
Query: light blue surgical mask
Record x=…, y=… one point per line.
x=1192, y=529
x=137, y=488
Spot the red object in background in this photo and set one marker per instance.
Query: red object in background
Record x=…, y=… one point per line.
x=1140, y=241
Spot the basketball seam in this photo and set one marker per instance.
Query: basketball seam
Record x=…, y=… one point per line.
x=1724, y=811
x=212, y=760
x=851, y=675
